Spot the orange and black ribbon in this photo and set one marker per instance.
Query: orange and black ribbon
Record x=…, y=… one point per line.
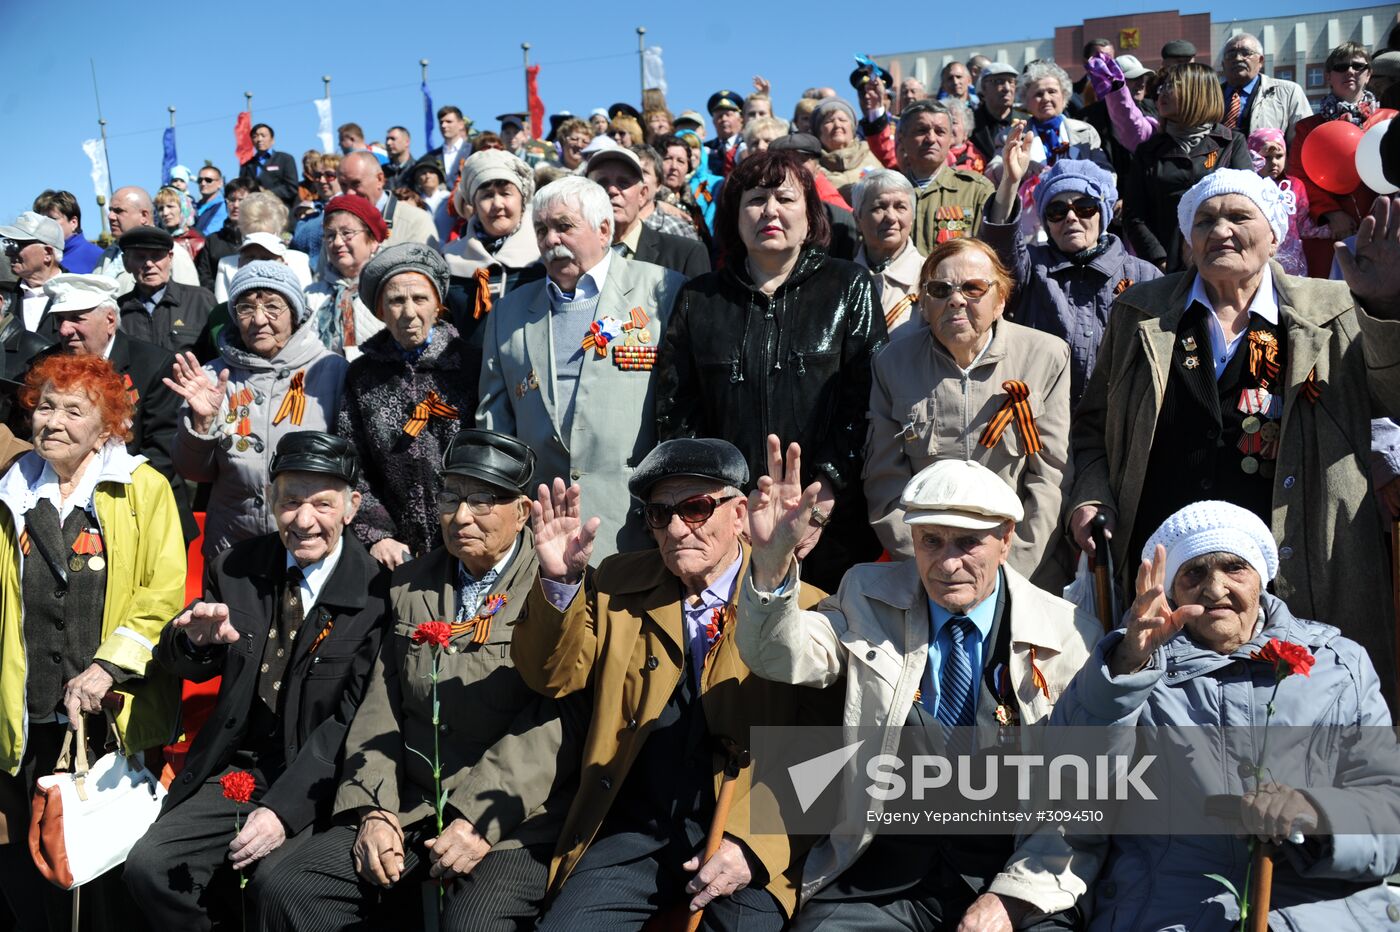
x=89, y=543
x=480, y=626
x=1310, y=389
x=295, y=401
x=24, y=542
x=720, y=619
x=900, y=306
x=131, y=391
x=1016, y=406
x=482, y=307
x=1038, y=678
x=1263, y=357
x=432, y=406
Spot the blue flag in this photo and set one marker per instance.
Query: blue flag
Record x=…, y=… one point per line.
x=168, y=159
x=429, y=118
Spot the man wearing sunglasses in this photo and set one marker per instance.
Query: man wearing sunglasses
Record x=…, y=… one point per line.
x=651, y=632
x=1253, y=100
x=210, y=210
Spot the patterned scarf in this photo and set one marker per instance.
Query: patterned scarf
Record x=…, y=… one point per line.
x=1333, y=107
x=1052, y=134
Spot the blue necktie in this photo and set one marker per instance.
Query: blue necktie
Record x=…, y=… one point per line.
x=955, y=684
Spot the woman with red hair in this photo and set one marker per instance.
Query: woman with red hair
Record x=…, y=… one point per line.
x=92, y=565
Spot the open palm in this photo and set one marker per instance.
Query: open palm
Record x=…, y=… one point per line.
x=563, y=541
x=1151, y=619
x=191, y=383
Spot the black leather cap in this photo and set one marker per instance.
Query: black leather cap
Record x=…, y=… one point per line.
x=701, y=458
x=146, y=238
x=495, y=458
x=316, y=451
x=18, y=347
x=805, y=143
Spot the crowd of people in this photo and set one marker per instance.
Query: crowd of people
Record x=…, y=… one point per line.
x=531, y=474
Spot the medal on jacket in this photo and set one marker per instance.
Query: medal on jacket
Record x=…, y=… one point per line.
x=89, y=546
x=528, y=384
x=480, y=626
x=1007, y=714
x=1188, y=343
x=606, y=329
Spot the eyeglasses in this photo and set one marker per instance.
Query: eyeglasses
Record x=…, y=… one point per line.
x=250, y=311
x=694, y=511
x=326, y=176
x=972, y=289
x=203, y=180
x=1241, y=53
x=479, y=503
x=1359, y=67
x=348, y=236
x=1082, y=207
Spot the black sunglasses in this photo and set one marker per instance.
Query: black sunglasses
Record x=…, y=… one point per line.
x=694, y=511
x=207, y=180
x=1083, y=207
x=1360, y=67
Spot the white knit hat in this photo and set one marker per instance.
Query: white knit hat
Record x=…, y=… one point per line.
x=1276, y=204
x=1214, y=527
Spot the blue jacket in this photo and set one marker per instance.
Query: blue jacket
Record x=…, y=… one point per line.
x=1159, y=883
x=307, y=237
x=210, y=215
x=79, y=255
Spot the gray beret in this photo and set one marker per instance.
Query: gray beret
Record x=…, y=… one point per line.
x=700, y=458
x=828, y=106
x=397, y=259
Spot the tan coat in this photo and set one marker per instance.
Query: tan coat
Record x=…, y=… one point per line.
x=924, y=408
x=623, y=635
x=873, y=635
x=897, y=286
x=11, y=448
x=509, y=756
x=844, y=167
x=1332, y=567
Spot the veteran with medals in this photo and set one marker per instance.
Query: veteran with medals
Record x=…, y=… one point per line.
x=1241, y=383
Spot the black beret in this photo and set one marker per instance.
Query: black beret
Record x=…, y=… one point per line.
x=724, y=100
x=861, y=76
x=1390, y=153
x=495, y=458
x=805, y=143
x=315, y=451
x=146, y=238
x=701, y=458
x=626, y=108
x=1178, y=48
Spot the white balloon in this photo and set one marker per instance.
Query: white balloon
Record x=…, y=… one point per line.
x=1368, y=160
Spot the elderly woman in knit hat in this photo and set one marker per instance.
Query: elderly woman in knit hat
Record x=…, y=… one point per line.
x=352, y=231
x=273, y=376
x=1240, y=382
x=499, y=250
x=1066, y=286
x=845, y=156
x=1202, y=647
x=405, y=399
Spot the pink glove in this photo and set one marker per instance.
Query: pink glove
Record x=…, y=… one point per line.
x=1103, y=73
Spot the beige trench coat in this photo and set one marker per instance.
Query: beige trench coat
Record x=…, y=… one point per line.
x=897, y=286
x=924, y=408
x=874, y=635
x=1332, y=566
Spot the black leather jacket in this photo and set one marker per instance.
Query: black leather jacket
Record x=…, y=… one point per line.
x=740, y=365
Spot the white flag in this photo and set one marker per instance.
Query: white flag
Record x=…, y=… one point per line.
x=323, y=113
x=98, y=157
x=653, y=74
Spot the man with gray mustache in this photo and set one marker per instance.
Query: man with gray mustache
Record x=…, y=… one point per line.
x=569, y=358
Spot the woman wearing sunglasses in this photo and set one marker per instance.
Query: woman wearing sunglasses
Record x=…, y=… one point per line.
x=971, y=386
x=1067, y=285
x=1348, y=73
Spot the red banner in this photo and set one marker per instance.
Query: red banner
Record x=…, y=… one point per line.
x=243, y=137
x=532, y=94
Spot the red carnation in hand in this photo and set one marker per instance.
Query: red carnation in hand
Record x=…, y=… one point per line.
x=433, y=632
x=238, y=786
x=1287, y=657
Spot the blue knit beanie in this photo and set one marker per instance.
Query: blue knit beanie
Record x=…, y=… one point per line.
x=274, y=276
x=1081, y=177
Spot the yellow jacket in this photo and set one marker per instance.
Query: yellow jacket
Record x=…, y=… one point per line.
x=145, y=588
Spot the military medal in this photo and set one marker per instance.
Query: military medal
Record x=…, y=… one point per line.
x=1251, y=424
x=635, y=358
x=87, y=550
x=1269, y=431
x=606, y=329
x=1249, y=465
x=96, y=563
x=529, y=383
x=1189, y=344
x=1191, y=362
x=75, y=562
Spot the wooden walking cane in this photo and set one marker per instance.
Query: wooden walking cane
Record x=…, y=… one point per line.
x=1103, y=575
x=738, y=760
x=1261, y=887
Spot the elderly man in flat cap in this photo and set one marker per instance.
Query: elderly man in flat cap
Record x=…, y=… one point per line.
x=618, y=171
x=157, y=309
x=571, y=371
x=130, y=208
x=34, y=248
x=292, y=622
x=953, y=639
x=509, y=766
x=651, y=634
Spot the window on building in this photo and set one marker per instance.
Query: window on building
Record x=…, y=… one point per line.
x=1317, y=75
x=1286, y=74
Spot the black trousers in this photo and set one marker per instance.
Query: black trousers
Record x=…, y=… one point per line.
x=928, y=907
x=180, y=872
x=317, y=888
x=623, y=880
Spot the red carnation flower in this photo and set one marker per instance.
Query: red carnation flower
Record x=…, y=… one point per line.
x=433, y=632
x=238, y=786
x=1287, y=657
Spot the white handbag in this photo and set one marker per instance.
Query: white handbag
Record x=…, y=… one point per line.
x=85, y=823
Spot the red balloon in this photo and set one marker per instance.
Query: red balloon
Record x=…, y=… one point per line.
x=1329, y=156
x=1384, y=113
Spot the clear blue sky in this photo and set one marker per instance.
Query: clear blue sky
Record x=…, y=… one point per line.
x=201, y=57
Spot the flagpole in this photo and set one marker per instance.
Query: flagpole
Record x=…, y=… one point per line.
x=525, y=51
x=104, y=238
x=102, y=126
x=423, y=64
x=248, y=102
x=326, y=80
x=171, y=108
x=642, y=61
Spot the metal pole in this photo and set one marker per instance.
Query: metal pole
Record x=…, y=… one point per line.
x=535, y=131
x=423, y=63
x=172, y=116
x=326, y=80
x=102, y=124
x=641, y=60
x=248, y=102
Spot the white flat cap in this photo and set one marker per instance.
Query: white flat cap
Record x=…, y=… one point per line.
x=73, y=292
x=30, y=227
x=960, y=493
x=269, y=241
